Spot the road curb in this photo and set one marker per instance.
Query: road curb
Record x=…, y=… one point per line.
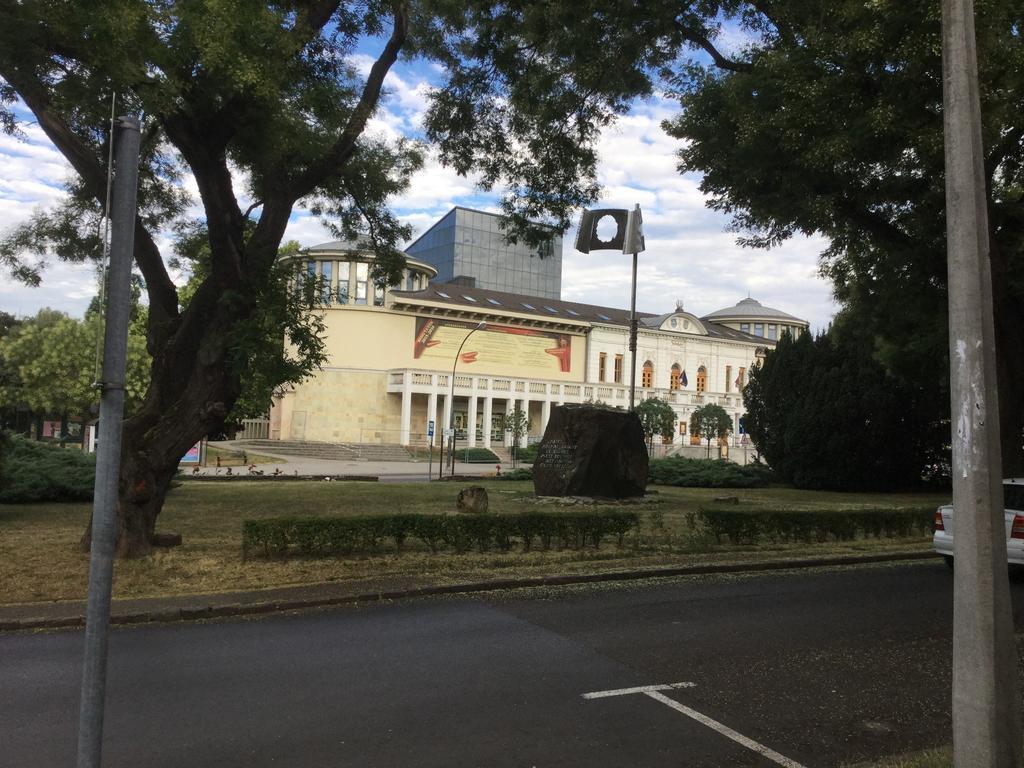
x=194, y=613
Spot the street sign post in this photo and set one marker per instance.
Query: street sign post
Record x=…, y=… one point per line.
x=430, y=450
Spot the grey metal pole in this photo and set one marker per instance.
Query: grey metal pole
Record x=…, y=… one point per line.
x=632, y=339
x=108, y=452
x=986, y=719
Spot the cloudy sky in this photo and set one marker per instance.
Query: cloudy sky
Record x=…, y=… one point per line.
x=690, y=254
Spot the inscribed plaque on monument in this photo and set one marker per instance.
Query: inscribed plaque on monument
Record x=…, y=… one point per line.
x=591, y=451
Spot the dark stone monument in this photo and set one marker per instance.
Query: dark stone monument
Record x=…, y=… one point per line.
x=472, y=500
x=591, y=451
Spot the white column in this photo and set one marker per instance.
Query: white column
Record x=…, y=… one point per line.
x=471, y=419
x=403, y=435
x=488, y=406
x=545, y=409
x=524, y=439
x=510, y=406
x=432, y=410
x=448, y=407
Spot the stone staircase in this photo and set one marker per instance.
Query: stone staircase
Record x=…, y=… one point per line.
x=504, y=454
x=317, y=450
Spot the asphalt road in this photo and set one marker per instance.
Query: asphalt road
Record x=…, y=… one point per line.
x=812, y=668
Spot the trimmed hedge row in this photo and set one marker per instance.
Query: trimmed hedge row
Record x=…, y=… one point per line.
x=367, y=534
x=707, y=473
x=747, y=526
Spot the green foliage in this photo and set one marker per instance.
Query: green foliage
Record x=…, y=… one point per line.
x=528, y=454
x=747, y=526
x=707, y=473
x=48, y=364
x=710, y=422
x=522, y=473
x=657, y=418
x=478, y=455
x=33, y=472
x=835, y=129
x=824, y=413
x=322, y=536
x=517, y=423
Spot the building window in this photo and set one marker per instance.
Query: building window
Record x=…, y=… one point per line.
x=325, y=282
x=759, y=329
x=741, y=379
x=771, y=332
x=618, y=369
x=702, y=380
x=745, y=327
x=673, y=376
x=410, y=281
x=362, y=275
x=343, y=273
x=728, y=378
x=647, y=377
x=378, y=296
x=602, y=360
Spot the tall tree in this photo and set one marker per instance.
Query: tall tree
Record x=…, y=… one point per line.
x=262, y=105
x=48, y=365
x=834, y=126
x=825, y=413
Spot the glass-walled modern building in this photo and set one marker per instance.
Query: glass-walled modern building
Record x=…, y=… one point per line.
x=468, y=247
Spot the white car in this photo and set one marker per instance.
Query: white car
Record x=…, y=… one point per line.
x=1013, y=507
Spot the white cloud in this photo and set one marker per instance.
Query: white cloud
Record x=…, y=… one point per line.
x=689, y=255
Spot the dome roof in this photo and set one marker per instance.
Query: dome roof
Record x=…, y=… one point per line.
x=342, y=246
x=751, y=308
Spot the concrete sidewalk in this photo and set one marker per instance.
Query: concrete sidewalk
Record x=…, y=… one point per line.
x=71, y=613
x=302, y=465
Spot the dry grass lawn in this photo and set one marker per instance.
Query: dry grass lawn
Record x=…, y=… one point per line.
x=39, y=560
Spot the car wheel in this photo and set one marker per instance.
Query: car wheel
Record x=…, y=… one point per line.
x=949, y=561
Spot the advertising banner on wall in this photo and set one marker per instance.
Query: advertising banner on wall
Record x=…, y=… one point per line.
x=495, y=345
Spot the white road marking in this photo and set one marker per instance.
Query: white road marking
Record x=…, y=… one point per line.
x=654, y=692
x=638, y=689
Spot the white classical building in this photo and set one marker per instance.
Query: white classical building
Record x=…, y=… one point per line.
x=452, y=354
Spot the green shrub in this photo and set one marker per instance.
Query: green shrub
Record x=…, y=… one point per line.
x=707, y=473
x=522, y=473
x=747, y=526
x=477, y=455
x=320, y=536
x=34, y=472
x=527, y=454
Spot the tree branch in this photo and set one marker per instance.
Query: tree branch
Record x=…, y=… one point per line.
x=314, y=15
x=345, y=146
x=163, y=296
x=701, y=41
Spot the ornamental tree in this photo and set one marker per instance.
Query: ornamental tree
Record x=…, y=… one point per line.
x=656, y=418
x=711, y=422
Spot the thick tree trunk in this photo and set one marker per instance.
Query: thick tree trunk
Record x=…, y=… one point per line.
x=189, y=396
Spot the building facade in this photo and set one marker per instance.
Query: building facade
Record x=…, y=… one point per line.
x=460, y=355
x=468, y=247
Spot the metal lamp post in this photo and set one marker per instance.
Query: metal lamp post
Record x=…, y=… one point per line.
x=629, y=238
x=451, y=397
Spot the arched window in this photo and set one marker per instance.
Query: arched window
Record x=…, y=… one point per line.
x=673, y=377
x=702, y=379
x=647, y=379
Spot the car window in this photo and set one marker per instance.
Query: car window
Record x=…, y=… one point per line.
x=1013, y=497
